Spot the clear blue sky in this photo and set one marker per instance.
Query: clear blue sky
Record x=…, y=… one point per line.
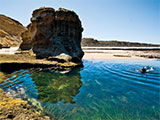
x=127, y=20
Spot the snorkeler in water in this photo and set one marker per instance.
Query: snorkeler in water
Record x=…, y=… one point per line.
x=145, y=69
x=152, y=68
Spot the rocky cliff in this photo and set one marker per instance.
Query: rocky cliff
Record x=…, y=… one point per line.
x=10, y=31
x=54, y=33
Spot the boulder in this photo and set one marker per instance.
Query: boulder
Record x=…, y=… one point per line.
x=54, y=33
x=10, y=32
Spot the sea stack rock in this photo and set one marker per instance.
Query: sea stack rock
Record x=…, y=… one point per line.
x=55, y=34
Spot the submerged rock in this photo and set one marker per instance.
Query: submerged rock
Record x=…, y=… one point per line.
x=53, y=33
x=10, y=32
x=16, y=109
x=19, y=92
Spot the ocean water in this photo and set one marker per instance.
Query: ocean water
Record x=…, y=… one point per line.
x=101, y=90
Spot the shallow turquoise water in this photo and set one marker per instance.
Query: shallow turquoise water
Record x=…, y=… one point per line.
x=101, y=90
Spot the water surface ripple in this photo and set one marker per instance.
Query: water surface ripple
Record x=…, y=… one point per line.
x=101, y=90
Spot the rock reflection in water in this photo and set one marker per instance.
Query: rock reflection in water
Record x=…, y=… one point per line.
x=53, y=87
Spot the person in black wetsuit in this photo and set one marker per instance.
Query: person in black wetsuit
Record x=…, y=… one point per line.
x=143, y=70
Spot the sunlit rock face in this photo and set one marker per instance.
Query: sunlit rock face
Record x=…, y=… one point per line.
x=56, y=32
x=10, y=32
x=17, y=109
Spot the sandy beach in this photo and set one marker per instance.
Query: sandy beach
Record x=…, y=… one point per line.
x=104, y=54
x=120, y=54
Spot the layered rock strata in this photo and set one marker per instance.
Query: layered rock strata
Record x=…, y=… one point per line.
x=54, y=33
x=10, y=32
x=25, y=61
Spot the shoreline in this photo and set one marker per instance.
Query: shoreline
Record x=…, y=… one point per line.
x=25, y=59
x=89, y=54
x=121, y=54
x=103, y=56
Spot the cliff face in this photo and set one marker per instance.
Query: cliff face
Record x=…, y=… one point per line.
x=10, y=31
x=55, y=33
x=26, y=39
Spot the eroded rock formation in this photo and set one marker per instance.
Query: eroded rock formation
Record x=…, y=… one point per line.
x=10, y=32
x=26, y=39
x=54, y=33
x=0, y=46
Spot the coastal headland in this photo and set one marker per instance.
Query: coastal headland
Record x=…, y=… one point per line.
x=52, y=42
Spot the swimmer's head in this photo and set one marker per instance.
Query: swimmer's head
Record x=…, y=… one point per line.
x=152, y=68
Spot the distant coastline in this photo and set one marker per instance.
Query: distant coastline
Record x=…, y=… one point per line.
x=91, y=42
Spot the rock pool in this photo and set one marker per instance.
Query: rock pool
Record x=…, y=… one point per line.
x=101, y=90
